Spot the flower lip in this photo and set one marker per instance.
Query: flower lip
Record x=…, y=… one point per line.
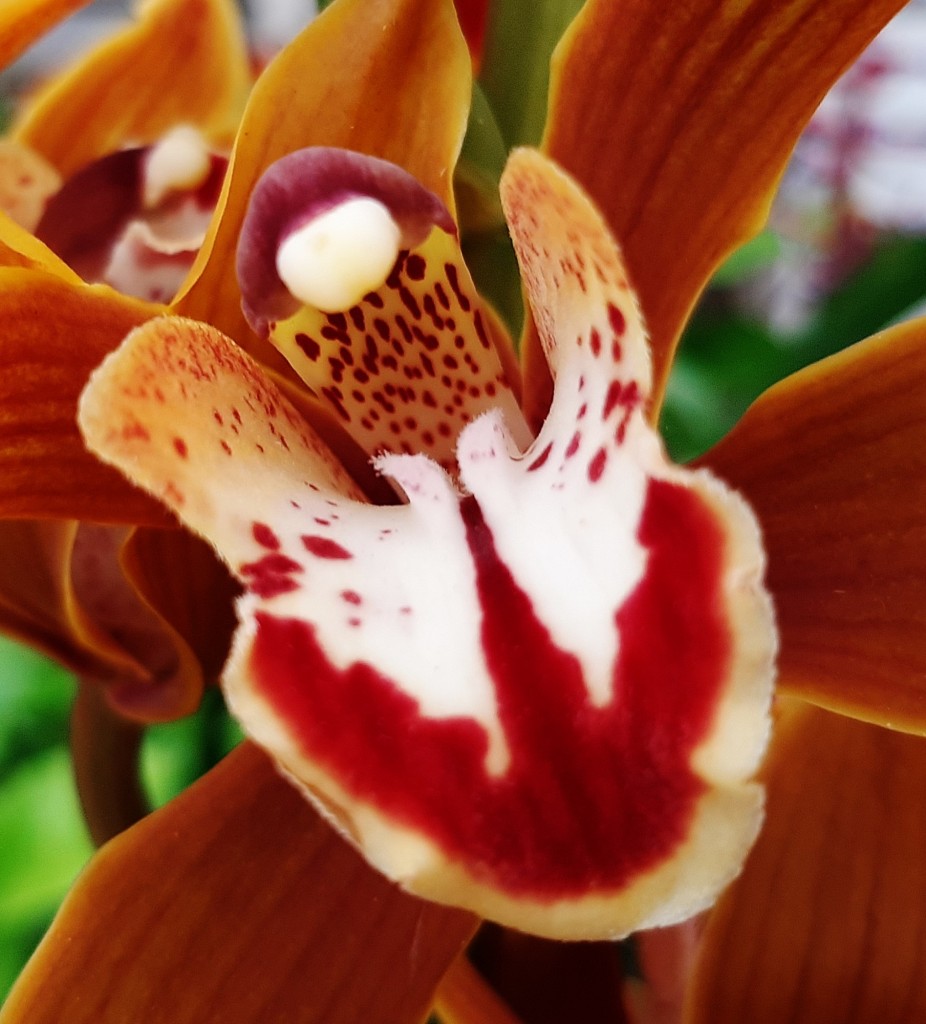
x=301, y=187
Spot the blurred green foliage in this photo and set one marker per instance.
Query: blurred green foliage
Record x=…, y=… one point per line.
x=43, y=841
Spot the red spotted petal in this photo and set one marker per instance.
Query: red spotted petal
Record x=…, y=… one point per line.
x=541, y=700
x=415, y=360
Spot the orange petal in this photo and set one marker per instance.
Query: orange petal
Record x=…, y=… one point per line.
x=35, y=594
x=680, y=126
x=62, y=591
x=465, y=998
x=832, y=461
x=54, y=334
x=22, y=22
x=19, y=248
x=154, y=676
x=183, y=581
x=104, y=752
x=236, y=903
x=26, y=183
x=825, y=923
x=389, y=78
x=183, y=62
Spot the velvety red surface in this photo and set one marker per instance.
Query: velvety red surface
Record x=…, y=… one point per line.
x=593, y=796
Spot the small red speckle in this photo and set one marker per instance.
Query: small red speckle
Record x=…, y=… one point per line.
x=616, y=351
x=596, y=466
x=308, y=346
x=351, y=597
x=415, y=267
x=353, y=622
x=595, y=342
x=617, y=320
x=265, y=536
x=226, y=447
x=574, y=445
x=180, y=447
x=324, y=547
x=541, y=458
x=271, y=575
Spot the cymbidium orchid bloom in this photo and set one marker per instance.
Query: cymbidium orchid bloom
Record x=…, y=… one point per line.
x=677, y=128
x=538, y=691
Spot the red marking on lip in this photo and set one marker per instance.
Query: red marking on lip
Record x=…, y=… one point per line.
x=593, y=796
x=271, y=575
x=324, y=547
x=265, y=536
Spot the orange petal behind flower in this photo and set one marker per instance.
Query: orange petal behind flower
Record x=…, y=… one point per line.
x=236, y=903
x=389, y=78
x=833, y=460
x=184, y=62
x=826, y=921
x=45, y=469
x=22, y=22
x=679, y=127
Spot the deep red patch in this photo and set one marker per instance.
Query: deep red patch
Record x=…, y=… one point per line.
x=271, y=575
x=324, y=547
x=593, y=796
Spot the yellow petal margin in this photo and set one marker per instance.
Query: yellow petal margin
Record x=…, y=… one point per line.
x=235, y=903
x=679, y=127
x=389, y=78
x=184, y=62
x=833, y=462
x=22, y=22
x=826, y=922
x=53, y=335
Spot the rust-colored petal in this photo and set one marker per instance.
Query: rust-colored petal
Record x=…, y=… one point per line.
x=36, y=600
x=464, y=997
x=26, y=183
x=826, y=921
x=62, y=590
x=54, y=333
x=680, y=126
x=19, y=248
x=389, y=78
x=184, y=61
x=22, y=22
x=182, y=579
x=833, y=461
x=236, y=903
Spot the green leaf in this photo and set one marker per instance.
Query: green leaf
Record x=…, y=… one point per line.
x=35, y=703
x=757, y=253
x=516, y=65
x=43, y=845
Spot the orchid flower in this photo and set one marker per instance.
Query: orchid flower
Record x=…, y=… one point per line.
x=240, y=860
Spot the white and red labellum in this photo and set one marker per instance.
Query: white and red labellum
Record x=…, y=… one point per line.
x=540, y=687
